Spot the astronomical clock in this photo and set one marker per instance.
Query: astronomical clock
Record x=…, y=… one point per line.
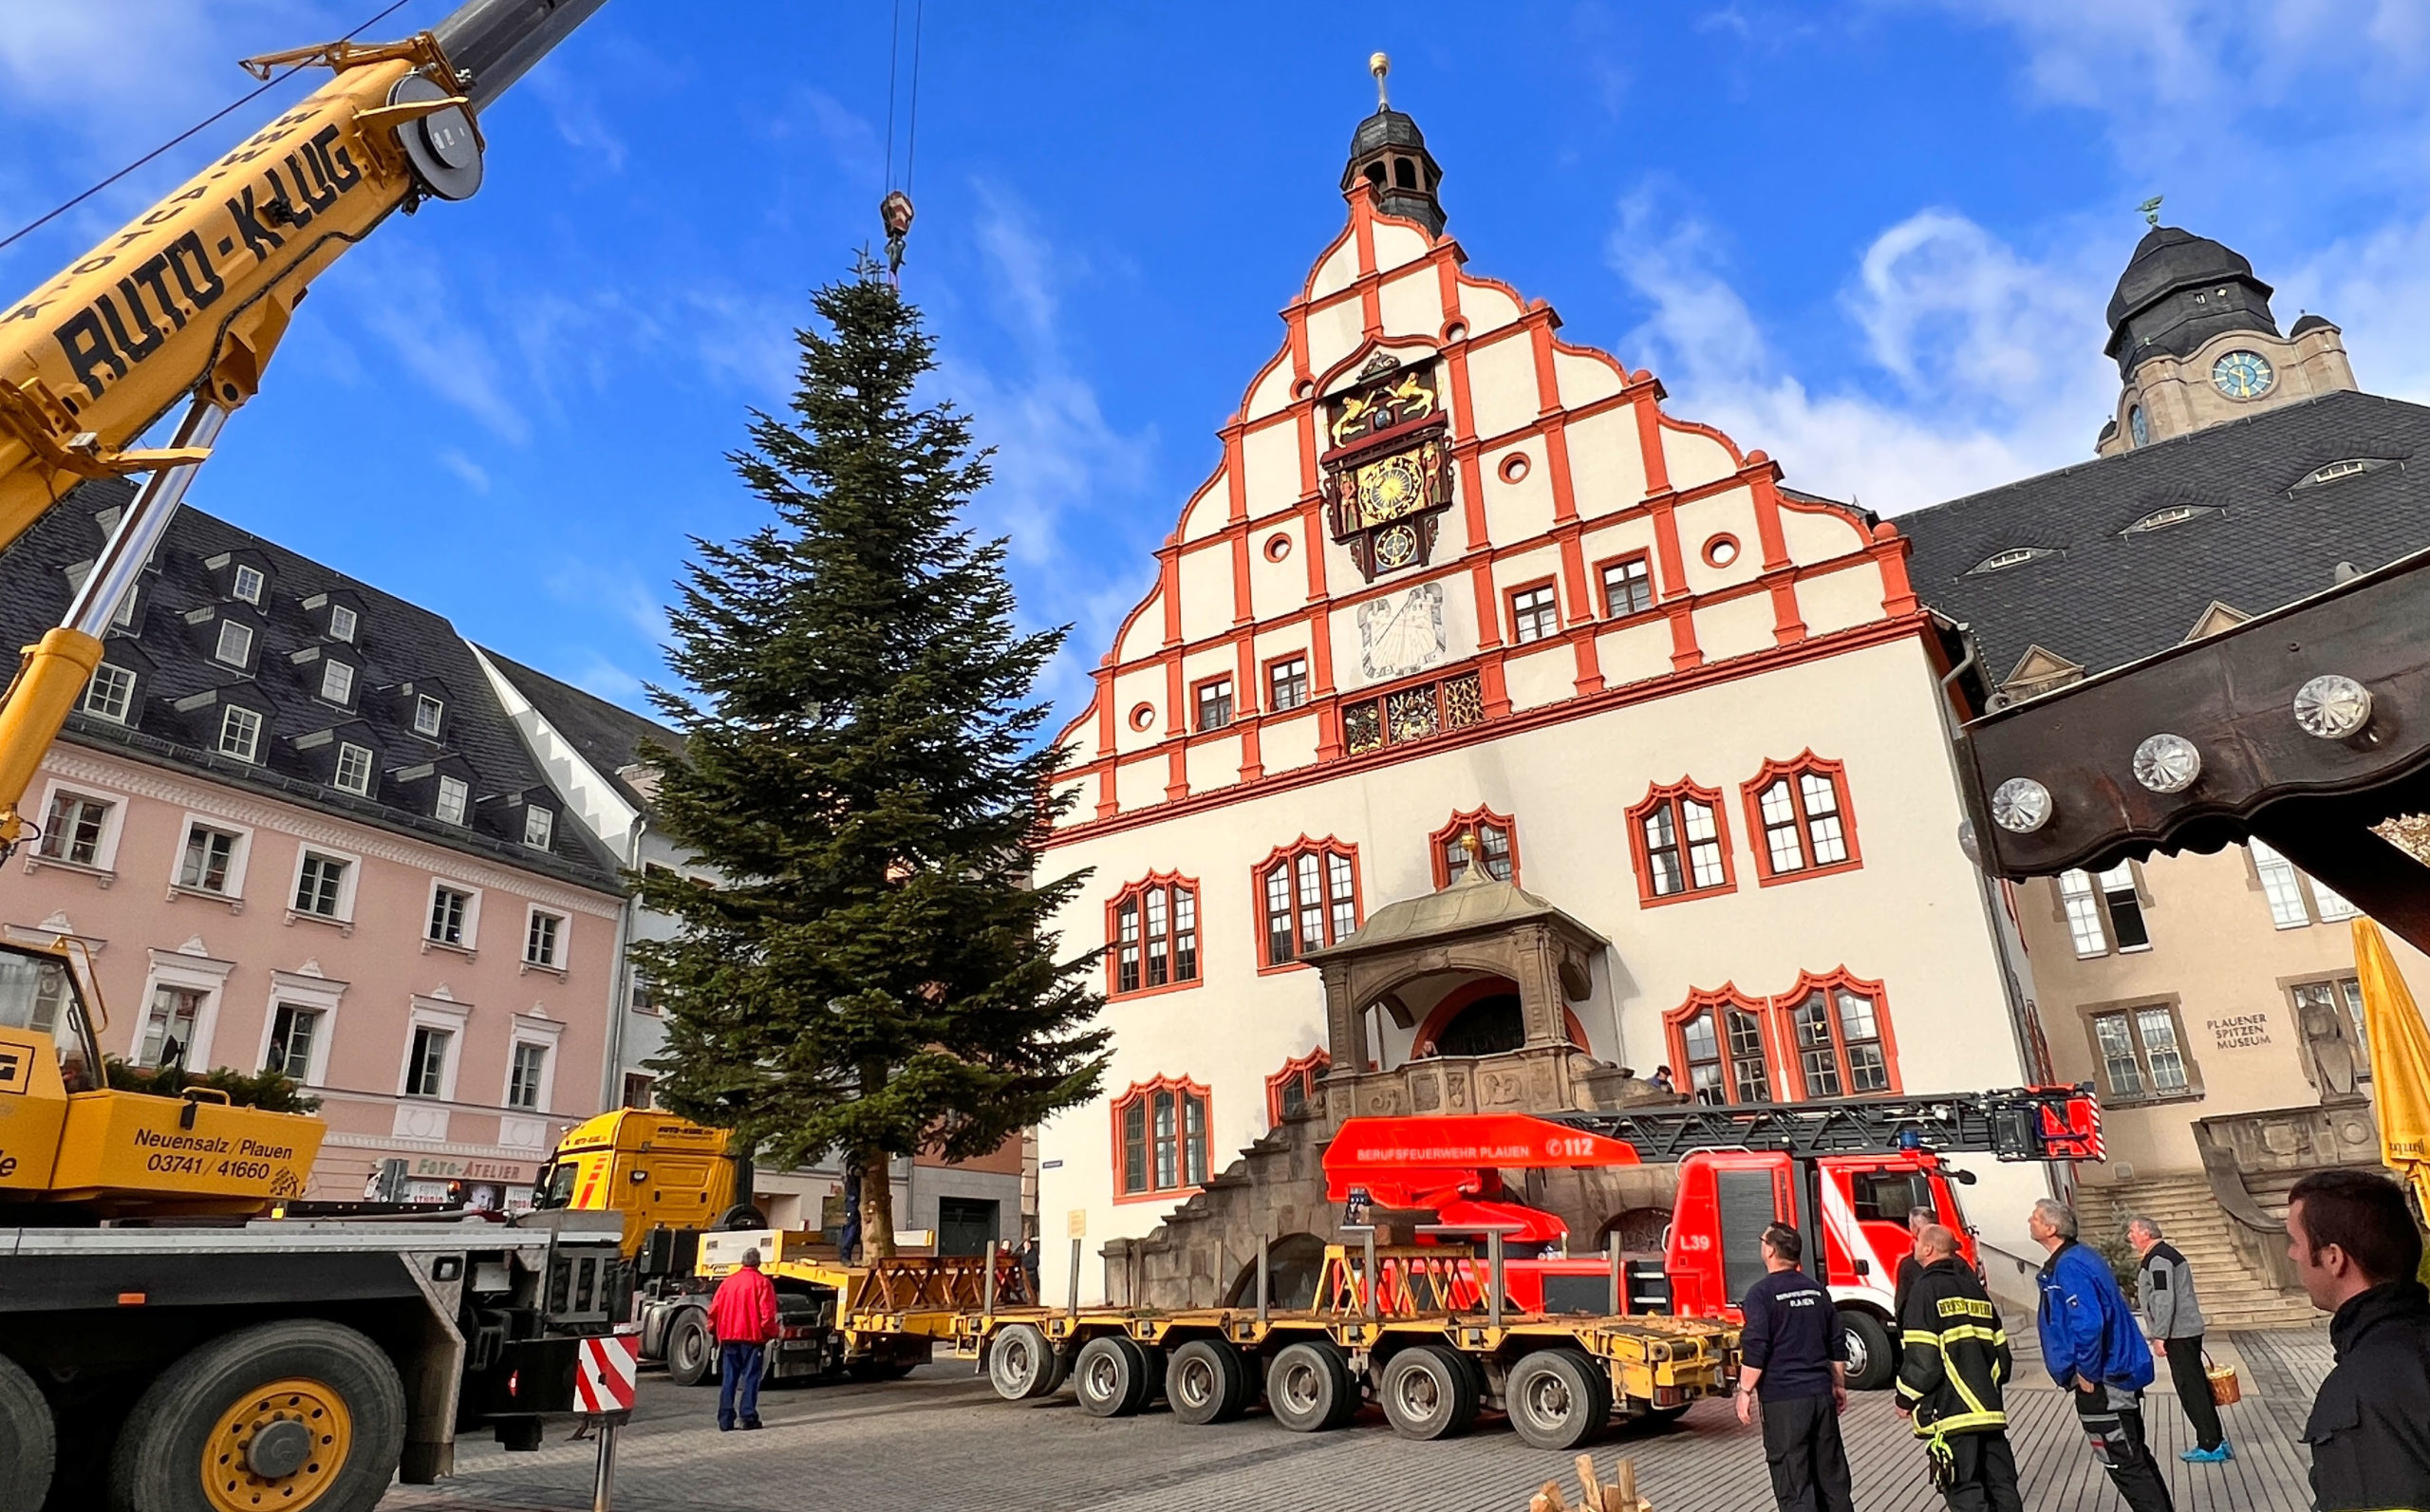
x=1387, y=469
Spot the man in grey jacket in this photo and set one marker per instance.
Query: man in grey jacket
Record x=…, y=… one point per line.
x=2164, y=1287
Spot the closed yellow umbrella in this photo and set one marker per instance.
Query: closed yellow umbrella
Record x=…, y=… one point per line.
x=2399, y=1050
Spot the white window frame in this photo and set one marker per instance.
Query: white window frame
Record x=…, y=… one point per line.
x=531, y=1029
x=548, y=818
x=251, y=755
x=370, y=766
x=472, y=917
x=463, y=792
x=335, y=670
x=239, y=857
x=236, y=584
x=344, y=918
x=318, y=993
x=125, y=714
x=431, y=1012
x=353, y=624
x=2296, y=899
x=200, y=974
x=220, y=647
x=105, y=862
x=425, y=703
x=560, y=938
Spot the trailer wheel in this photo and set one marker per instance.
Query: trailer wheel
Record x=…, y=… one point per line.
x=1873, y=1361
x=691, y=1355
x=1429, y=1392
x=292, y=1414
x=28, y=1442
x=1309, y=1388
x=1558, y=1398
x=1021, y=1364
x=1110, y=1377
x=1208, y=1381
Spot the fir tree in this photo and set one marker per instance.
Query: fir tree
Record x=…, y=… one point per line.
x=873, y=976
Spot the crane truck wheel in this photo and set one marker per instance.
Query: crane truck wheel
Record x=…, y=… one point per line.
x=1873, y=1360
x=1208, y=1381
x=1110, y=1377
x=1558, y=1398
x=1429, y=1392
x=296, y=1415
x=691, y=1355
x=1309, y=1387
x=28, y=1442
x=1021, y=1364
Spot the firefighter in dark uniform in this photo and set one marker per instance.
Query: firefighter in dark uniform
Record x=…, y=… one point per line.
x=1794, y=1355
x=1951, y=1371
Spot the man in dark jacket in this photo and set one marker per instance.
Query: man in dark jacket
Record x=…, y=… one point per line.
x=2354, y=1245
x=1955, y=1362
x=2094, y=1351
x=2172, y=1317
x=1918, y=1219
x=1794, y=1358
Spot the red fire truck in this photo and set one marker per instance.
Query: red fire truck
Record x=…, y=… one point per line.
x=1849, y=1170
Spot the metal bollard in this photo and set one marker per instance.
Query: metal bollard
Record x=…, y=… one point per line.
x=987, y=1287
x=1074, y=1307
x=1369, y=1259
x=1265, y=1279
x=1619, y=1294
x=1493, y=1276
x=603, y=1480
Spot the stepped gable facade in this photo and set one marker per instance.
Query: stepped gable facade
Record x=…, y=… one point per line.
x=1461, y=593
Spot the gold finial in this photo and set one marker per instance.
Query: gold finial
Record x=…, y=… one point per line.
x=1380, y=66
x=1475, y=871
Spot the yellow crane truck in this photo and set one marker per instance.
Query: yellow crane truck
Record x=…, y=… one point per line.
x=165, y=1344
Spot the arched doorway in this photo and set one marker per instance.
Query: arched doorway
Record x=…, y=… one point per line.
x=1482, y=1017
x=1639, y=1231
x=1293, y=1264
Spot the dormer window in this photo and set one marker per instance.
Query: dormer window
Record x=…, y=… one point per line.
x=354, y=769
x=2161, y=520
x=452, y=800
x=248, y=584
x=240, y=734
x=539, y=827
x=426, y=714
x=342, y=623
x=337, y=683
x=2344, y=468
x=2013, y=556
x=236, y=643
x=111, y=694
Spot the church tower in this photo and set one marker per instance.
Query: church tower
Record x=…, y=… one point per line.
x=1389, y=152
x=2196, y=344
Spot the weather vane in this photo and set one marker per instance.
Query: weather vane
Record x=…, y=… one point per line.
x=1380, y=66
x=2151, y=209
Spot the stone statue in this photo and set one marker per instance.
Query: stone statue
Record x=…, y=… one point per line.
x=2329, y=1039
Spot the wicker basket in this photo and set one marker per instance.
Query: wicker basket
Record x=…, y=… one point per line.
x=2225, y=1388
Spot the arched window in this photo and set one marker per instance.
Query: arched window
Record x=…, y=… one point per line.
x=1495, y=833
x=1152, y=935
x=1159, y=1139
x=1292, y=1089
x=1798, y=811
x=1308, y=896
x=1681, y=843
x=1841, y=1028
x=1719, y=1040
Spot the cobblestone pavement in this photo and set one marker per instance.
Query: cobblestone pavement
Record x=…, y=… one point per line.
x=940, y=1439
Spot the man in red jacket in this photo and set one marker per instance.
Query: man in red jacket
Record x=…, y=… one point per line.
x=743, y=1316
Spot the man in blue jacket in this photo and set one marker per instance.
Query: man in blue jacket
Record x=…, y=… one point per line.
x=2094, y=1351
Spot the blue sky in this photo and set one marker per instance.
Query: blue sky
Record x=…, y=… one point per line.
x=1873, y=238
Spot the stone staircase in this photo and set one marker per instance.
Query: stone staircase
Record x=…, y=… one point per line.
x=2231, y=1295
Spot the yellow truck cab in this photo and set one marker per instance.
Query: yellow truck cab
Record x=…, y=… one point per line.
x=658, y=1170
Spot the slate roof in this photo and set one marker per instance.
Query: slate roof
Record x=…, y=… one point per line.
x=400, y=649
x=609, y=738
x=2105, y=595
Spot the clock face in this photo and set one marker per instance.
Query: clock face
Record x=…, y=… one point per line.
x=2137, y=427
x=1396, y=547
x=2243, y=375
x=1389, y=489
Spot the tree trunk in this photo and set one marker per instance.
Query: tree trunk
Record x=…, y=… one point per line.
x=877, y=1208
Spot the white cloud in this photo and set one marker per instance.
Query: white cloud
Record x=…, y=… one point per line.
x=618, y=590
x=475, y=476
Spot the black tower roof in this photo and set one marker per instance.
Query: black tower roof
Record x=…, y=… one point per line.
x=2179, y=290
x=1389, y=152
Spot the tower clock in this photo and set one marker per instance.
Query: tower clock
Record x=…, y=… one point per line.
x=1387, y=469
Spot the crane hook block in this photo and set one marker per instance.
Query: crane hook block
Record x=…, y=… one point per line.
x=895, y=210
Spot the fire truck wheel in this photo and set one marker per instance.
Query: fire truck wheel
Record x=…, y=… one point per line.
x=1207, y=1381
x=296, y=1415
x=1429, y=1392
x=691, y=1355
x=1873, y=1362
x=28, y=1442
x=1110, y=1377
x=1309, y=1388
x=1021, y=1364
x=1558, y=1398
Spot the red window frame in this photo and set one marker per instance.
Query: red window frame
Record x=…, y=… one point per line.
x=1327, y=912
x=1811, y=832
x=1733, y=1016
x=1603, y=588
x=1306, y=1072
x=1307, y=686
x=1175, y=898
x=1198, y=709
x=1486, y=821
x=1510, y=607
x=1834, y=986
x=1671, y=797
x=1178, y=1148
